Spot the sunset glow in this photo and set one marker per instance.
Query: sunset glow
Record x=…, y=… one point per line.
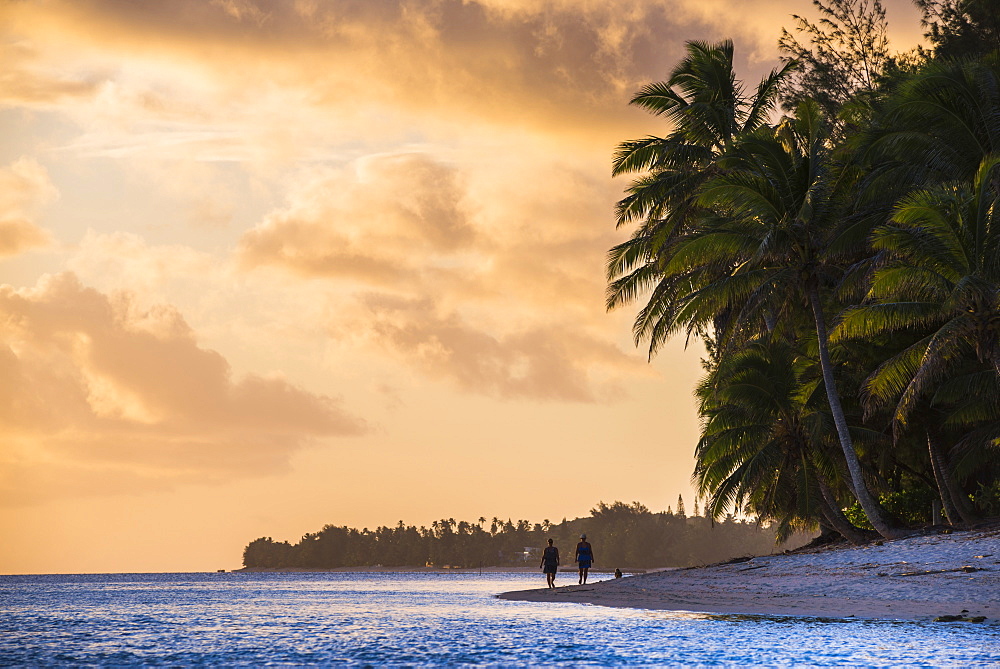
x=267, y=265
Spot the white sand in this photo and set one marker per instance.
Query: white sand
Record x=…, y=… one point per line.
x=872, y=581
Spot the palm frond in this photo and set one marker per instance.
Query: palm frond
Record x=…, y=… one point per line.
x=658, y=98
x=869, y=321
x=637, y=155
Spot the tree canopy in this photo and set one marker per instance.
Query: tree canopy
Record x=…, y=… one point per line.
x=839, y=263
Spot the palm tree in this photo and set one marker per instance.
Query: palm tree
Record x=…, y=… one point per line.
x=940, y=277
x=970, y=404
x=942, y=274
x=761, y=447
x=780, y=203
x=735, y=220
x=708, y=110
x=937, y=127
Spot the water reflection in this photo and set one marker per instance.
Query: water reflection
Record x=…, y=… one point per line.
x=419, y=618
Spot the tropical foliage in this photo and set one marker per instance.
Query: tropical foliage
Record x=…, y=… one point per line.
x=960, y=28
x=840, y=263
x=842, y=55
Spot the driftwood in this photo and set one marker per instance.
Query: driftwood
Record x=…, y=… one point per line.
x=966, y=569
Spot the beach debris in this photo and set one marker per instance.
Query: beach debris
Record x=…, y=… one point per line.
x=737, y=560
x=967, y=569
x=960, y=619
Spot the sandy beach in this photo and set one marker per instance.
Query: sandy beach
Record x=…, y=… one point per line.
x=916, y=578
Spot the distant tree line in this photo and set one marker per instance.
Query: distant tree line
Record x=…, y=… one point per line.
x=623, y=535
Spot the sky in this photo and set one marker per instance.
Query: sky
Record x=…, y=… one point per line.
x=271, y=265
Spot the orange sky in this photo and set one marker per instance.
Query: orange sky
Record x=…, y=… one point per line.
x=270, y=265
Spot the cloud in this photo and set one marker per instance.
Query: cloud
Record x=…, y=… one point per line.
x=19, y=235
x=378, y=221
x=124, y=261
x=28, y=79
x=535, y=363
x=266, y=79
x=475, y=228
x=94, y=382
x=563, y=67
x=24, y=188
x=464, y=271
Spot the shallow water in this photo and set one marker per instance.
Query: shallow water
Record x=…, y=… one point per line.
x=422, y=619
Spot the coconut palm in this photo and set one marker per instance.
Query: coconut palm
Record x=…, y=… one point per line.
x=940, y=277
x=942, y=274
x=932, y=131
x=779, y=204
x=761, y=448
x=970, y=404
x=708, y=109
x=937, y=127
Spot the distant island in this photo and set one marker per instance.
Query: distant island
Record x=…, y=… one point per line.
x=623, y=535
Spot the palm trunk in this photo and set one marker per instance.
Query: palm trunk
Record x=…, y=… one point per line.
x=952, y=496
x=874, y=512
x=937, y=466
x=831, y=510
x=770, y=321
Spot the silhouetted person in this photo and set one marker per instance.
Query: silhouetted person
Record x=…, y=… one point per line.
x=550, y=564
x=618, y=572
x=585, y=556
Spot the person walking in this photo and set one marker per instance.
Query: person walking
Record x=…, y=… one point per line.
x=550, y=564
x=584, y=556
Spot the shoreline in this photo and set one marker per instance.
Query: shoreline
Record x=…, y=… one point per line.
x=493, y=569
x=920, y=577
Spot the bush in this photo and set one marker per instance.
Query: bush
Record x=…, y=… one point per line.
x=906, y=507
x=987, y=498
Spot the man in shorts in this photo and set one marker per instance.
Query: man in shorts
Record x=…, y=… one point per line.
x=584, y=556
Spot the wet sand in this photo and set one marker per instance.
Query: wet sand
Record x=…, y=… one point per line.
x=917, y=578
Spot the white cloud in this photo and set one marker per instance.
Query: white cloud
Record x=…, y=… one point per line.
x=24, y=188
x=96, y=381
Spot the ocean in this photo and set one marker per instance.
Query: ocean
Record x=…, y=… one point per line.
x=423, y=619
